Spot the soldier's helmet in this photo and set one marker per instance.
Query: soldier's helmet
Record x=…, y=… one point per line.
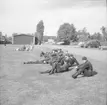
x=84, y=58
x=66, y=59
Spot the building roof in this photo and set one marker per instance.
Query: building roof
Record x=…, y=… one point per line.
x=23, y=34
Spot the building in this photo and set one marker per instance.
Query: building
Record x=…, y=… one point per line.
x=51, y=41
x=24, y=39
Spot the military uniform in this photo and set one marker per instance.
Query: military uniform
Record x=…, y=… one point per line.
x=62, y=68
x=72, y=61
x=46, y=59
x=36, y=62
x=63, y=64
x=85, y=69
x=56, y=61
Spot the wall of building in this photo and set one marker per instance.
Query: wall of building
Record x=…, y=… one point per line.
x=23, y=39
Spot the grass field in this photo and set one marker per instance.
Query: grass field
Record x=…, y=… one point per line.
x=23, y=85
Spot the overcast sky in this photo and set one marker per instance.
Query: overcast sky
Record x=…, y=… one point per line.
x=22, y=16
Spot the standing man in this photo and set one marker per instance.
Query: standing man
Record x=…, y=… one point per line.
x=5, y=41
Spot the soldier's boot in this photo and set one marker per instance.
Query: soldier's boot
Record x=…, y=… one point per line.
x=76, y=74
x=38, y=62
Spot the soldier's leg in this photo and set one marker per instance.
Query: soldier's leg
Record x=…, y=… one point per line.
x=75, y=75
x=87, y=73
x=58, y=68
x=53, y=68
x=34, y=62
x=62, y=68
x=47, y=71
x=52, y=71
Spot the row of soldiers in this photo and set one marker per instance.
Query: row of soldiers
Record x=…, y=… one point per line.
x=63, y=61
x=25, y=48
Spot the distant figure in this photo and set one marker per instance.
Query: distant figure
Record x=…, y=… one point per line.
x=23, y=48
x=4, y=41
x=84, y=69
x=31, y=47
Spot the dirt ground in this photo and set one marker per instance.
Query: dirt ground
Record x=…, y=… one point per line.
x=23, y=85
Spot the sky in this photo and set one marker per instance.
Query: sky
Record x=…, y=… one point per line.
x=22, y=16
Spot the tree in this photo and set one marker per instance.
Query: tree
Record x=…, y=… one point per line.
x=83, y=35
x=9, y=38
x=0, y=36
x=85, y=30
x=66, y=32
x=97, y=36
x=40, y=31
x=104, y=32
x=14, y=34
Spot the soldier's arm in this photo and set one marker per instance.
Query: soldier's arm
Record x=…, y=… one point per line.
x=86, y=65
x=90, y=67
x=82, y=66
x=76, y=61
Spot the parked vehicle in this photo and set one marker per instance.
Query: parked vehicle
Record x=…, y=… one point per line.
x=81, y=44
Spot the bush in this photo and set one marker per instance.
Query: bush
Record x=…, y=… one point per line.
x=66, y=42
x=92, y=44
x=7, y=42
x=65, y=31
x=103, y=43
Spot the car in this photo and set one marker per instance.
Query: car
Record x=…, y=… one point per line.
x=103, y=48
x=60, y=43
x=81, y=44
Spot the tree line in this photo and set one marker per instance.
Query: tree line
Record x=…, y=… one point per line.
x=67, y=32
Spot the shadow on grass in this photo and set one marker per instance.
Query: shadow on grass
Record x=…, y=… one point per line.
x=93, y=74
